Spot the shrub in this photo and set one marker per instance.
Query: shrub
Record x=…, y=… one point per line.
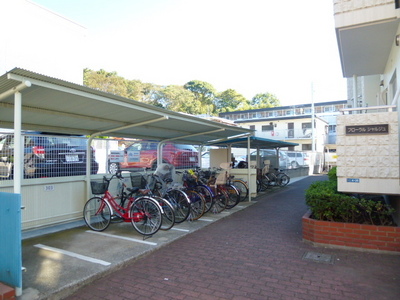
x=327, y=204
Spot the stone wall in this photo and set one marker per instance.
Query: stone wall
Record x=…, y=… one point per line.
x=372, y=160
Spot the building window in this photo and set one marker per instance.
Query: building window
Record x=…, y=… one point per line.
x=332, y=128
x=253, y=127
x=267, y=127
x=306, y=147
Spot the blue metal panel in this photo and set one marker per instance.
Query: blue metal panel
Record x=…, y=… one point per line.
x=10, y=240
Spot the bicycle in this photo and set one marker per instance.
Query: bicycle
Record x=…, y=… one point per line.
x=143, y=212
x=162, y=180
x=240, y=185
x=168, y=217
x=222, y=183
x=219, y=196
x=267, y=179
x=192, y=179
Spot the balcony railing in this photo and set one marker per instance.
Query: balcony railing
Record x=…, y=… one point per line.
x=369, y=109
x=287, y=134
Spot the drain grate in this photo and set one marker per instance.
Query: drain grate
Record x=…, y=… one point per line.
x=319, y=257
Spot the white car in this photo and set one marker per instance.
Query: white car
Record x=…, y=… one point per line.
x=267, y=154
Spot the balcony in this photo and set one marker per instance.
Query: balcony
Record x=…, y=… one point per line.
x=368, y=150
x=365, y=32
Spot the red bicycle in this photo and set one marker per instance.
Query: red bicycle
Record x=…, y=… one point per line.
x=144, y=212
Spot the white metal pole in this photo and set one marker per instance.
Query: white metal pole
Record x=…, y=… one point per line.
x=312, y=118
x=18, y=149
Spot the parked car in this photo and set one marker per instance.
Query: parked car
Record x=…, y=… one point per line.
x=267, y=154
x=205, y=160
x=47, y=156
x=143, y=154
x=298, y=159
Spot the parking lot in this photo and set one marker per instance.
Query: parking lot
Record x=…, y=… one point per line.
x=60, y=261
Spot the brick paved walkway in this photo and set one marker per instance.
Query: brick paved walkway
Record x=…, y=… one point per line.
x=256, y=253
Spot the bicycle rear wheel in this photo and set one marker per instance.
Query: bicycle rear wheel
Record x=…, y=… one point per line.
x=146, y=216
x=97, y=214
x=242, y=187
x=265, y=183
x=181, y=204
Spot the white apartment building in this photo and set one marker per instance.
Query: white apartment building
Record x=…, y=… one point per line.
x=368, y=36
x=35, y=38
x=293, y=123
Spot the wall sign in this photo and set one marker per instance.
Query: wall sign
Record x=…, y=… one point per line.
x=354, y=180
x=368, y=129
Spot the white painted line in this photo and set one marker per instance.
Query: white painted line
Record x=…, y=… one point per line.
x=122, y=237
x=180, y=229
x=73, y=254
x=206, y=220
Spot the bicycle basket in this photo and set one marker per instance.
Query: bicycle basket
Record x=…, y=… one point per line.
x=99, y=187
x=137, y=180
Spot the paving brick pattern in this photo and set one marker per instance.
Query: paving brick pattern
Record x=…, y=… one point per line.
x=256, y=253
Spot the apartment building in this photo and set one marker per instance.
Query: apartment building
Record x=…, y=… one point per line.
x=293, y=123
x=368, y=36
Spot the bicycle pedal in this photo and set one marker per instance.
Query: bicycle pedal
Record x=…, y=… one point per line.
x=115, y=218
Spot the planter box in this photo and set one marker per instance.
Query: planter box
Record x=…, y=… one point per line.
x=336, y=234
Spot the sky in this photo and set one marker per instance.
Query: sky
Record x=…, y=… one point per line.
x=286, y=48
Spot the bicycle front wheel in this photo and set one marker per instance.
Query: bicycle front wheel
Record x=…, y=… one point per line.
x=146, y=216
x=97, y=214
x=283, y=179
x=181, y=204
x=243, y=189
x=197, y=205
x=233, y=195
x=168, y=214
x=220, y=201
x=207, y=194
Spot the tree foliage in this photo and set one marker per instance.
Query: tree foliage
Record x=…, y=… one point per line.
x=230, y=100
x=265, y=100
x=194, y=97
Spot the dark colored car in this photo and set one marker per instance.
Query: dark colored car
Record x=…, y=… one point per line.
x=47, y=156
x=143, y=154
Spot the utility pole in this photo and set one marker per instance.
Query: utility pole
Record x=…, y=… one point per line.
x=312, y=118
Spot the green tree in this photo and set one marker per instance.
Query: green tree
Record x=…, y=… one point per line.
x=105, y=81
x=265, y=100
x=230, y=100
x=177, y=98
x=204, y=93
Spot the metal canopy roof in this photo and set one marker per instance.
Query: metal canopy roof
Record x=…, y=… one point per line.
x=54, y=105
x=255, y=142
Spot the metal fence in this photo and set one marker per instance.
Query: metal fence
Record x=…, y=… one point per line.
x=47, y=156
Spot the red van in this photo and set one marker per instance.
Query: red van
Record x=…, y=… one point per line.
x=143, y=154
